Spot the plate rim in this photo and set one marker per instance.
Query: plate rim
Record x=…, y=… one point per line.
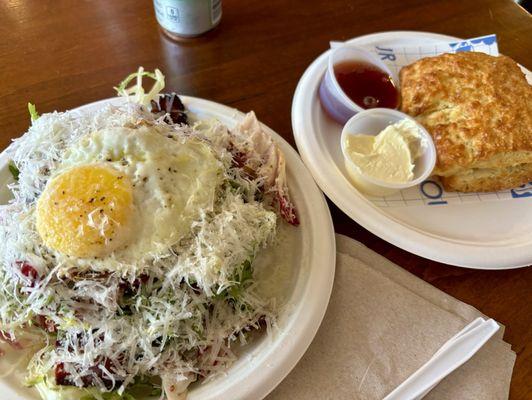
x=275, y=365
x=387, y=227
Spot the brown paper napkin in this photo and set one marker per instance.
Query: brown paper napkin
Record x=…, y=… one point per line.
x=382, y=324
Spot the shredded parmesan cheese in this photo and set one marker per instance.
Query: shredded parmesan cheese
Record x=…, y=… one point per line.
x=175, y=313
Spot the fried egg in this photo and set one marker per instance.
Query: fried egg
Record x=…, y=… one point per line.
x=131, y=192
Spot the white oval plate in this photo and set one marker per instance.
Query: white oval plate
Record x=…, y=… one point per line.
x=488, y=235
x=265, y=363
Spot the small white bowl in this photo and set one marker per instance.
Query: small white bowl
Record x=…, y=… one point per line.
x=372, y=122
x=337, y=104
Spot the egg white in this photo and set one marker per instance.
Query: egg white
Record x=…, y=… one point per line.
x=174, y=181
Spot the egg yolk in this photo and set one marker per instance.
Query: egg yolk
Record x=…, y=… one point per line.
x=86, y=211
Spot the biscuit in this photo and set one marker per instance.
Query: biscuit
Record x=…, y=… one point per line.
x=478, y=110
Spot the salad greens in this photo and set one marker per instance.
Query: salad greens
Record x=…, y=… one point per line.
x=137, y=90
x=116, y=331
x=14, y=170
x=34, y=115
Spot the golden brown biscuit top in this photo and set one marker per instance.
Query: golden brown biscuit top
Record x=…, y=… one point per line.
x=478, y=108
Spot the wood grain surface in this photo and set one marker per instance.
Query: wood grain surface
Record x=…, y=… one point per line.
x=60, y=54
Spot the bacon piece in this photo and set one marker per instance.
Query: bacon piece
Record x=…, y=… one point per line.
x=46, y=324
x=28, y=271
x=61, y=376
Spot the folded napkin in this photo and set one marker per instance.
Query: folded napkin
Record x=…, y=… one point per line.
x=382, y=324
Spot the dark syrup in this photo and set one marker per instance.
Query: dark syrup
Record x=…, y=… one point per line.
x=366, y=85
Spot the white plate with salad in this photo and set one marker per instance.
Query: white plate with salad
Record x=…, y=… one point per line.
x=156, y=246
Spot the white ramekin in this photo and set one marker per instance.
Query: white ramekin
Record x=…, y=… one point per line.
x=372, y=122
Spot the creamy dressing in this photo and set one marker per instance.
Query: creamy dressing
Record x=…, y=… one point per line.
x=274, y=272
x=14, y=361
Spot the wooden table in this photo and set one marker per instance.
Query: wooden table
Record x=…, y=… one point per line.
x=61, y=54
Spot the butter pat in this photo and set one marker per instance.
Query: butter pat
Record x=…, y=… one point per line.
x=390, y=156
